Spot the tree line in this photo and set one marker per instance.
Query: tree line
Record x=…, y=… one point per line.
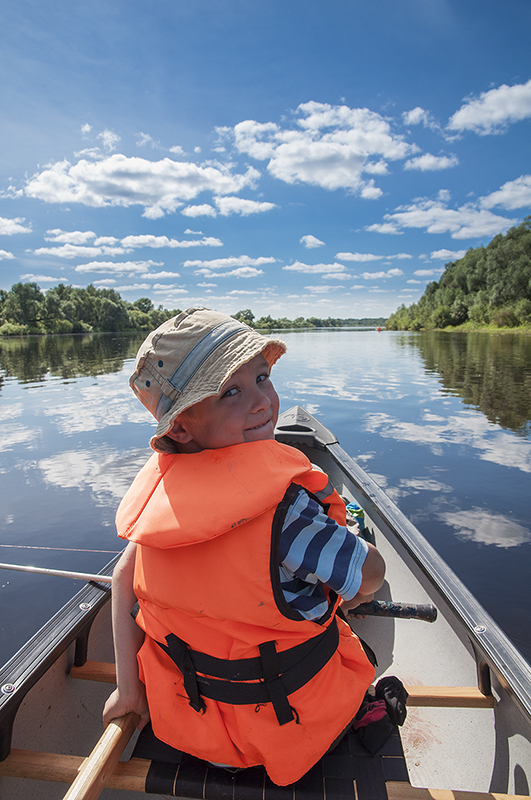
x=282, y=323
x=489, y=286
x=26, y=309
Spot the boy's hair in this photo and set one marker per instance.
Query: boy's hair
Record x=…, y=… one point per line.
x=189, y=358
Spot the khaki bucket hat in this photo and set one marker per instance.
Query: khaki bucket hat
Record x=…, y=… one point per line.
x=188, y=358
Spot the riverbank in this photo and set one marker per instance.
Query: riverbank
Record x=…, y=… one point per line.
x=474, y=327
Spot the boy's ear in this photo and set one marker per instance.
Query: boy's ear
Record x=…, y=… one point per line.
x=179, y=433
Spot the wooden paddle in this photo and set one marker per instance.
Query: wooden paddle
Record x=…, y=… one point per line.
x=100, y=764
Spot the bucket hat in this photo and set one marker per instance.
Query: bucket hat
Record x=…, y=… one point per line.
x=188, y=358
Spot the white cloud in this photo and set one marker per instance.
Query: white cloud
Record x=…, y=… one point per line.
x=177, y=149
x=237, y=205
x=118, y=268
x=69, y=237
x=310, y=242
x=448, y=255
x=430, y=162
x=227, y=206
x=77, y=250
x=513, y=194
x=362, y=257
x=330, y=146
x=169, y=290
x=358, y=257
x=428, y=273
x=232, y=261
x=372, y=276
x=384, y=227
x=41, y=278
x=240, y=272
x=149, y=240
x=492, y=111
x=10, y=226
x=101, y=240
x=299, y=266
x=144, y=139
x=416, y=116
x=134, y=287
x=323, y=289
x=5, y=254
x=86, y=128
x=159, y=186
x=203, y=210
x=466, y=222
x=157, y=276
x=109, y=139
x=89, y=152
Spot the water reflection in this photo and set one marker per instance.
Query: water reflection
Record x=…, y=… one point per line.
x=106, y=476
x=468, y=430
x=31, y=359
x=490, y=372
x=406, y=406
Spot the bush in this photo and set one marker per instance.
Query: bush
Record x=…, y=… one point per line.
x=459, y=312
x=13, y=329
x=63, y=326
x=479, y=314
x=504, y=317
x=523, y=311
x=441, y=317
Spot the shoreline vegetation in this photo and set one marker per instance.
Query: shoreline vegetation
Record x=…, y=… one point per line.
x=488, y=290
x=26, y=310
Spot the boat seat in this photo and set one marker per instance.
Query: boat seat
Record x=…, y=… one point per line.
x=439, y=696
x=349, y=772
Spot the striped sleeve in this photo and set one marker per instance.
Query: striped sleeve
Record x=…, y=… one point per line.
x=315, y=550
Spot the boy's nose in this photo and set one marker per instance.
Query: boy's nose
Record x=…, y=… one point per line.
x=261, y=400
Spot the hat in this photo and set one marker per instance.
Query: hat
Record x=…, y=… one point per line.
x=189, y=357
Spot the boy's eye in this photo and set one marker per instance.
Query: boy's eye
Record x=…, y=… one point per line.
x=262, y=377
x=230, y=392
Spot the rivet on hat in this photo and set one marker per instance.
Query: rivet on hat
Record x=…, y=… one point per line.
x=148, y=384
x=161, y=363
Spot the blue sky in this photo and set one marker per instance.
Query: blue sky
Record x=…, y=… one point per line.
x=295, y=157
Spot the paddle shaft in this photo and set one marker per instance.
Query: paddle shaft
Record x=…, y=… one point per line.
x=388, y=608
x=79, y=576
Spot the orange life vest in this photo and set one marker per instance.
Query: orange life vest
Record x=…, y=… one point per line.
x=207, y=578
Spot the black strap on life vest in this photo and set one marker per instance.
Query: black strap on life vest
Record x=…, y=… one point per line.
x=268, y=678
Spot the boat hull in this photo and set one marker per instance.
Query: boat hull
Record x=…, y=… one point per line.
x=473, y=733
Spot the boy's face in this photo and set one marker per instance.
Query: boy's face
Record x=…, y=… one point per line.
x=245, y=410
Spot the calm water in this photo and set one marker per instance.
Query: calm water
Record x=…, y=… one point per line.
x=441, y=421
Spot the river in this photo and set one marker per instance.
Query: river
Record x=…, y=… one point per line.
x=441, y=421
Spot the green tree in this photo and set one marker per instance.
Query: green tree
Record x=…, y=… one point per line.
x=24, y=304
x=245, y=315
x=144, y=304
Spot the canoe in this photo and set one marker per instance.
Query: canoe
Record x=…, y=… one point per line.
x=468, y=728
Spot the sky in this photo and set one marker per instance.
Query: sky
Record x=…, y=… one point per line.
x=294, y=157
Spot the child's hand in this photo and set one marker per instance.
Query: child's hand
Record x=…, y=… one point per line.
x=117, y=705
x=348, y=605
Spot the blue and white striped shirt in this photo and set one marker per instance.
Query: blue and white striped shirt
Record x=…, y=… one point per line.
x=315, y=550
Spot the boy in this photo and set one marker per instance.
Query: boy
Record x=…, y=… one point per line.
x=237, y=554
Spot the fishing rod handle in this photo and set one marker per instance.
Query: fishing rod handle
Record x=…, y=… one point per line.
x=389, y=608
